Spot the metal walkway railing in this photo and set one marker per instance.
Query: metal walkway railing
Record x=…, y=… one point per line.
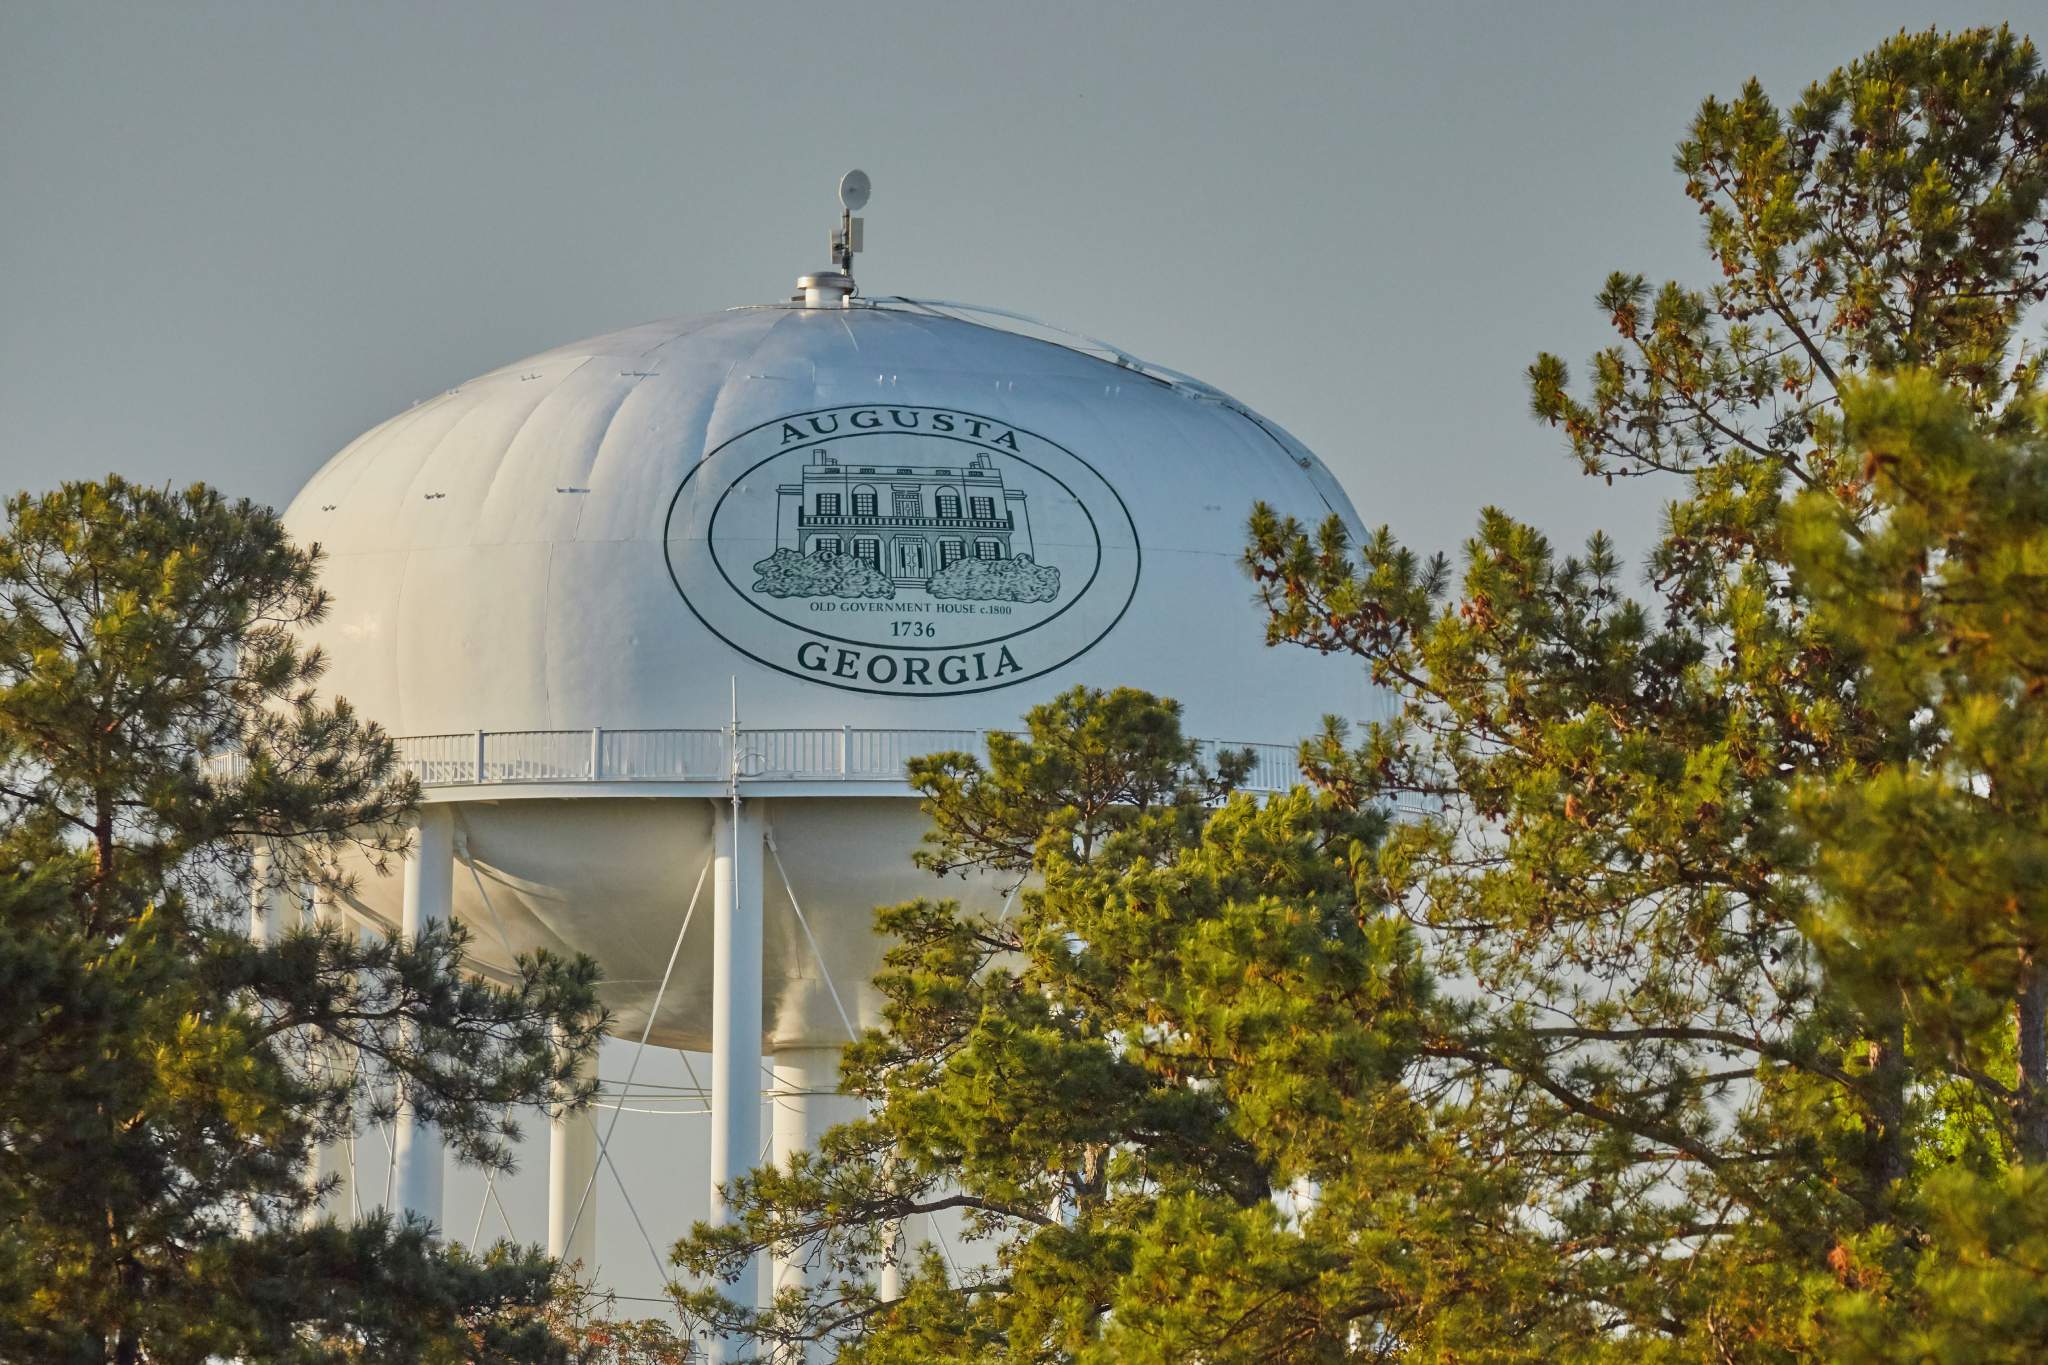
x=812, y=754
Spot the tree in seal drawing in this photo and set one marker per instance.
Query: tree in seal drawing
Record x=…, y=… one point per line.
x=996, y=580
x=789, y=574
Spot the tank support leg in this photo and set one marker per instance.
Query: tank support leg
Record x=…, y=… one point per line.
x=333, y=1158
x=807, y=1103
x=735, y=1019
x=889, y=1275
x=572, y=1168
x=267, y=898
x=429, y=889
x=267, y=904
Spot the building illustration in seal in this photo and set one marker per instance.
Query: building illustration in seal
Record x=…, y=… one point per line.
x=868, y=530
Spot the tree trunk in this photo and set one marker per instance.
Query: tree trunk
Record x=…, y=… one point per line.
x=2031, y=1019
x=1889, y=1160
x=128, y=1349
x=103, y=862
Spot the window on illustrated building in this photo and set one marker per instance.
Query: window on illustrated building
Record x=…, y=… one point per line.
x=949, y=504
x=828, y=504
x=951, y=550
x=906, y=502
x=984, y=509
x=864, y=502
x=988, y=549
x=825, y=545
x=867, y=549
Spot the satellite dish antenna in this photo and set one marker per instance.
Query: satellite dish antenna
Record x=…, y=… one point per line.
x=853, y=191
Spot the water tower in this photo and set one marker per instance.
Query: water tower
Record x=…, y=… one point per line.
x=875, y=528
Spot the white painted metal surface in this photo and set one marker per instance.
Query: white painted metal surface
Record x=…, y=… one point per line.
x=547, y=577
x=498, y=555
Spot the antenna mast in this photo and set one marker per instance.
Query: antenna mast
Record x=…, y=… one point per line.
x=854, y=189
x=835, y=287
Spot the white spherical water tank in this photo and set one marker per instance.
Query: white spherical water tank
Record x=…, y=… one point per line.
x=885, y=527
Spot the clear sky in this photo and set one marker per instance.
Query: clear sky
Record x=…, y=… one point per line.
x=234, y=237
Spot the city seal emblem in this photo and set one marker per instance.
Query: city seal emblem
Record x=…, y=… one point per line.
x=905, y=551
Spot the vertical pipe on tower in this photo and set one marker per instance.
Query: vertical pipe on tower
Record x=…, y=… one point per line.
x=263, y=896
x=332, y=1158
x=572, y=1169
x=429, y=891
x=736, y=1016
x=262, y=928
x=895, y=1258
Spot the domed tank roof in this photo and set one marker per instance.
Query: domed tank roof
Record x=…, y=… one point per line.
x=877, y=515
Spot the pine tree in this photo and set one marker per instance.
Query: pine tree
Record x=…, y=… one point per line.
x=163, y=1079
x=1931, y=858
x=1705, y=863
x=1161, y=1089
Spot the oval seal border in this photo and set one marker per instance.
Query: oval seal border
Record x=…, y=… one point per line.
x=818, y=674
